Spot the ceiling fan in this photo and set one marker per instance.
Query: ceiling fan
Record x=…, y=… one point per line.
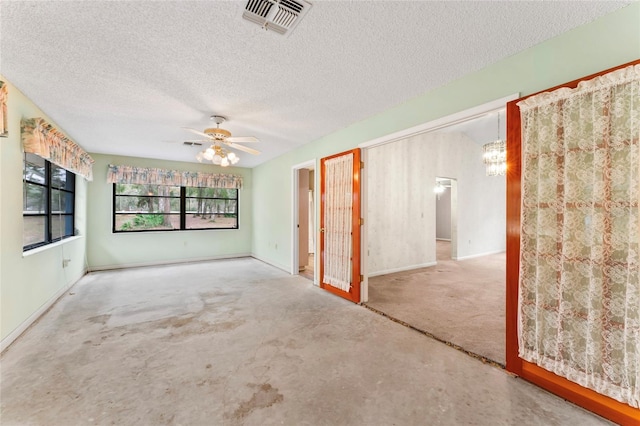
x=220, y=139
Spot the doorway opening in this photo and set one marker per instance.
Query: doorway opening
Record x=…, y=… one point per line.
x=446, y=192
x=437, y=261
x=304, y=221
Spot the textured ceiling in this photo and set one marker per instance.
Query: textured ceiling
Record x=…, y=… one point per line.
x=124, y=77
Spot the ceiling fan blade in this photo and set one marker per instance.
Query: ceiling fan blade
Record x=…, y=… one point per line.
x=197, y=132
x=242, y=139
x=243, y=148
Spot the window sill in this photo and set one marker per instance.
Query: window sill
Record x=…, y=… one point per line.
x=50, y=246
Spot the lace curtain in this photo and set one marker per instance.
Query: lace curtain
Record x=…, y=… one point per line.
x=579, y=300
x=337, y=221
x=152, y=176
x=41, y=138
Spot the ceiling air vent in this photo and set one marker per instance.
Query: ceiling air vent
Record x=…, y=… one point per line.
x=280, y=16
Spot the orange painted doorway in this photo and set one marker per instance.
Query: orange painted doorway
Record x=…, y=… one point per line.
x=603, y=405
x=353, y=255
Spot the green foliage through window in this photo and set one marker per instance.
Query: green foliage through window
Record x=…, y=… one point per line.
x=159, y=207
x=47, y=203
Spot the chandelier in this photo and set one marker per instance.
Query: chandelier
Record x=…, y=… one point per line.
x=218, y=156
x=495, y=155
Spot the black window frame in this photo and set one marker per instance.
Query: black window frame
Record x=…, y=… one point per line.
x=49, y=187
x=183, y=197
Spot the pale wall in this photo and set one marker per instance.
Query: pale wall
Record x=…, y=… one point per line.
x=443, y=215
x=604, y=43
x=108, y=250
x=27, y=283
x=401, y=219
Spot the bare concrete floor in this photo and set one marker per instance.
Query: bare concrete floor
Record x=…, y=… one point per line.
x=239, y=342
x=462, y=302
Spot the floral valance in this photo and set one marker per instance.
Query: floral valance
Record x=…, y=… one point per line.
x=150, y=176
x=41, y=138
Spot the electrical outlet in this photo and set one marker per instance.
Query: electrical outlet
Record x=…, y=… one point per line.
x=65, y=262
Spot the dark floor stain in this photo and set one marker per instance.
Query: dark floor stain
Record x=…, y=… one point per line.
x=226, y=326
x=99, y=319
x=264, y=397
x=174, y=322
x=166, y=419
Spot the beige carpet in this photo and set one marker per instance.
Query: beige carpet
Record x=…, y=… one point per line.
x=461, y=302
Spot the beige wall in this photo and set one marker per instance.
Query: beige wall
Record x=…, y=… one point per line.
x=402, y=205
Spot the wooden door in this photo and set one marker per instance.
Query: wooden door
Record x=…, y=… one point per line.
x=340, y=223
x=603, y=405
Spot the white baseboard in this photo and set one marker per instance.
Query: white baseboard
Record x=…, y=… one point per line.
x=287, y=269
x=11, y=337
x=478, y=255
x=166, y=262
x=404, y=268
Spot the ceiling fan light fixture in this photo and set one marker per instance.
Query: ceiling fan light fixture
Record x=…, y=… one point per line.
x=209, y=153
x=222, y=138
x=218, y=156
x=217, y=133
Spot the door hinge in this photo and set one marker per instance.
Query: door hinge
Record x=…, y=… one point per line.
x=361, y=221
x=362, y=164
x=361, y=278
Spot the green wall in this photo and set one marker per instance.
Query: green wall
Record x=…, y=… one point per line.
x=604, y=43
x=27, y=283
x=108, y=250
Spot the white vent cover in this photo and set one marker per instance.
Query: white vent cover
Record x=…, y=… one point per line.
x=280, y=16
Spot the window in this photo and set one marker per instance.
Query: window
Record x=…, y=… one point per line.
x=48, y=202
x=173, y=208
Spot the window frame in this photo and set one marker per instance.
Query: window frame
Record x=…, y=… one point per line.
x=48, y=214
x=183, y=197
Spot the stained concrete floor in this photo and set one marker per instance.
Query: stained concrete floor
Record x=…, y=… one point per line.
x=238, y=342
x=462, y=302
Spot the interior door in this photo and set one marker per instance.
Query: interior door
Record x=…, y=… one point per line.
x=605, y=406
x=340, y=223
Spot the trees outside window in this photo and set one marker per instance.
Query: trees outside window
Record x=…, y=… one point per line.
x=161, y=207
x=48, y=202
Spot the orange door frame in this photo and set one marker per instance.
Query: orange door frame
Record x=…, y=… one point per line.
x=354, y=292
x=607, y=407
